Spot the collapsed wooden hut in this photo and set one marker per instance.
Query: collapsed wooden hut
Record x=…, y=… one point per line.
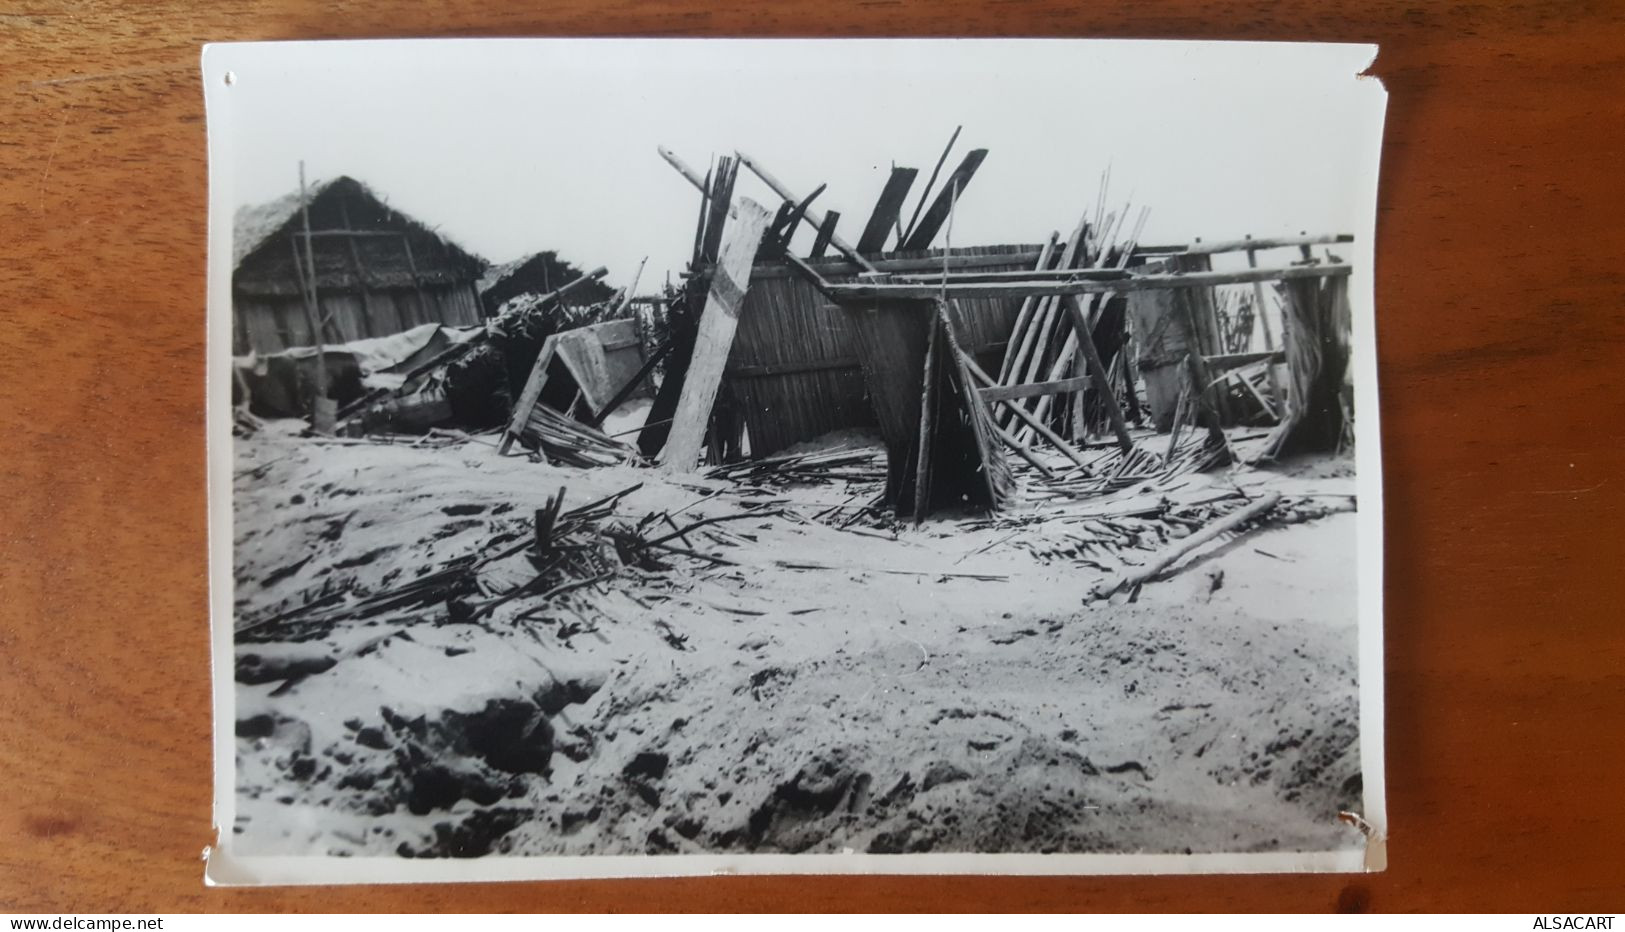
x=377, y=271
x=796, y=372
x=538, y=274
x=956, y=356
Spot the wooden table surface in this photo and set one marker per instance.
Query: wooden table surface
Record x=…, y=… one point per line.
x=1501, y=319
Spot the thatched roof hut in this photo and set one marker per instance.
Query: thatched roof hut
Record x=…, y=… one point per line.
x=538, y=273
x=378, y=271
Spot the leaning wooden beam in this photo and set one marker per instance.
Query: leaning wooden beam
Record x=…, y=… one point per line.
x=625, y=391
x=1028, y=355
x=796, y=214
x=928, y=415
x=994, y=472
x=1022, y=451
x=807, y=272
x=531, y=394
x=693, y=177
x=814, y=217
x=1135, y=578
x=1097, y=371
x=825, y=231
x=887, y=207
x=717, y=324
x=1021, y=414
x=626, y=293
x=1024, y=317
x=937, y=214
x=925, y=291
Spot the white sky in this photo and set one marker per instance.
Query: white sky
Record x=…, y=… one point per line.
x=515, y=146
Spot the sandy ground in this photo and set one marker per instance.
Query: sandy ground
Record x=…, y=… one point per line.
x=882, y=687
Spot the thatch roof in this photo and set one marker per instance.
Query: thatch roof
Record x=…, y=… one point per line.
x=538, y=273
x=262, y=259
x=256, y=223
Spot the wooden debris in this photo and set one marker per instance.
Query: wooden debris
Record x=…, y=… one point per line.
x=922, y=235
x=562, y=439
x=849, y=465
x=715, y=338
x=1131, y=582
x=883, y=219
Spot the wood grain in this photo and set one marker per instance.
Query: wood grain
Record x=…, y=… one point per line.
x=1502, y=382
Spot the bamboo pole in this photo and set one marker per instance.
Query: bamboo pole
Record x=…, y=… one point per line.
x=1097, y=371
x=1161, y=282
x=1134, y=579
x=922, y=463
x=321, y=411
x=1022, y=415
x=816, y=219
x=1024, y=316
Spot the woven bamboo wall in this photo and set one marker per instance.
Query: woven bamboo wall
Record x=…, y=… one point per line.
x=794, y=371
x=271, y=323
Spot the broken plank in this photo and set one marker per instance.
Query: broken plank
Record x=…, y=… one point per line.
x=531, y=394
x=718, y=322
x=1097, y=371
x=884, y=216
x=826, y=230
x=841, y=246
x=937, y=214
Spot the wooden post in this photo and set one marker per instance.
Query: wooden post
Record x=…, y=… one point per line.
x=1264, y=321
x=321, y=407
x=928, y=398
x=1258, y=299
x=1097, y=372
x=1131, y=377
x=712, y=344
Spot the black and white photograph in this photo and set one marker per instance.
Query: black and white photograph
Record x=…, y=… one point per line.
x=647, y=456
